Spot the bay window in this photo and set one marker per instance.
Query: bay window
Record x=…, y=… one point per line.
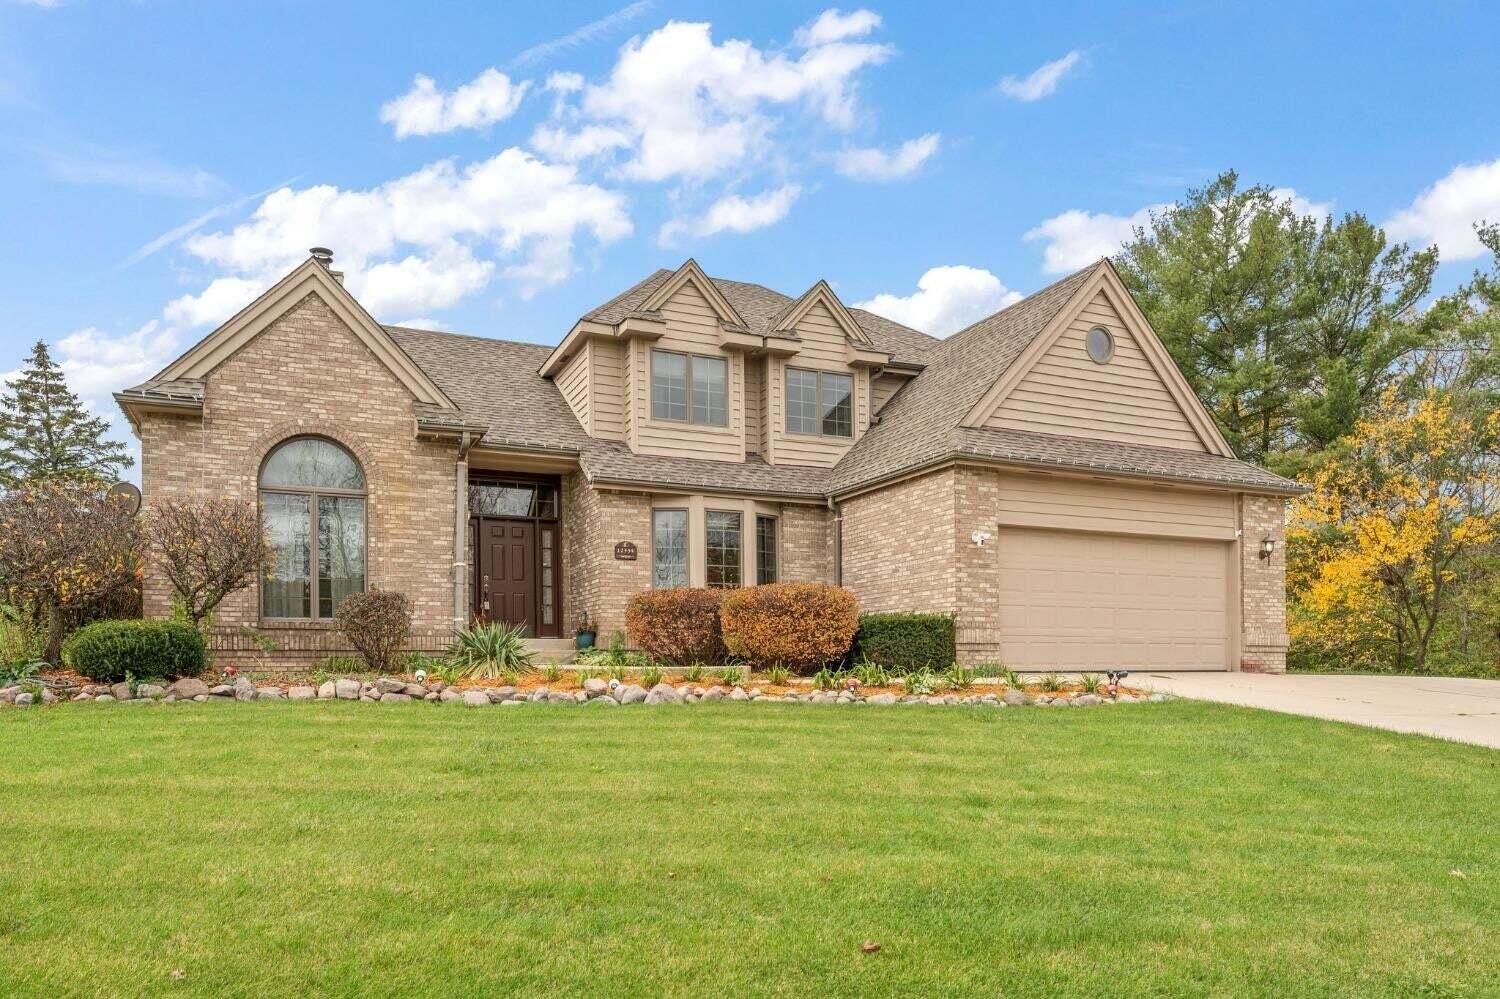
x=724, y=554
x=669, y=548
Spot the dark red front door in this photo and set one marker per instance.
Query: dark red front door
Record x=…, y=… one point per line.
x=507, y=580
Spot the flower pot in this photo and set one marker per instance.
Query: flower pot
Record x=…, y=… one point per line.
x=584, y=640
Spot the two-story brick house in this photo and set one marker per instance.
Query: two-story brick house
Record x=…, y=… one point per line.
x=1046, y=474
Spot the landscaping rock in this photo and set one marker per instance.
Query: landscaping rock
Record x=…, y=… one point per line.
x=221, y=690
x=663, y=693
x=104, y=698
x=244, y=690
x=559, y=697
x=201, y=698
x=415, y=690
x=83, y=697
x=1016, y=698
x=1158, y=698
x=121, y=691
x=881, y=699
x=595, y=687
x=604, y=700
x=394, y=697
x=346, y=689
x=187, y=688
x=267, y=694
x=513, y=702
x=390, y=685
x=475, y=698
x=1086, y=700
x=505, y=693
x=327, y=690
x=23, y=699
x=738, y=694
x=150, y=690
x=302, y=693
x=539, y=694
x=48, y=697
x=632, y=693
x=715, y=694
x=452, y=695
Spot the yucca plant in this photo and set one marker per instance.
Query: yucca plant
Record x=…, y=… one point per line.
x=1092, y=683
x=489, y=650
x=552, y=672
x=1051, y=682
x=959, y=677
x=829, y=679
x=731, y=675
x=778, y=676
x=920, y=681
x=871, y=674
x=652, y=675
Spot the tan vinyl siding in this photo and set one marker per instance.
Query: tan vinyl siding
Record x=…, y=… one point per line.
x=574, y=383
x=882, y=387
x=823, y=349
x=754, y=404
x=692, y=327
x=1123, y=400
x=1114, y=508
x=608, y=406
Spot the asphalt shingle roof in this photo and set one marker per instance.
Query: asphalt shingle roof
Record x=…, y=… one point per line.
x=495, y=384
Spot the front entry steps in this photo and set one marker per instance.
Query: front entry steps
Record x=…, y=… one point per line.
x=559, y=650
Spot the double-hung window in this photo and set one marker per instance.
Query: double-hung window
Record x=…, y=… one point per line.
x=765, y=550
x=724, y=556
x=669, y=548
x=819, y=403
x=689, y=388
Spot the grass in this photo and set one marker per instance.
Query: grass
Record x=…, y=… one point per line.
x=332, y=848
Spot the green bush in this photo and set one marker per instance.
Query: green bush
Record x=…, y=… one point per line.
x=907, y=641
x=107, y=650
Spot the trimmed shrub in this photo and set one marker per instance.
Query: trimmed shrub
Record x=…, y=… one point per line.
x=377, y=623
x=799, y=625
x=680, y=625
x=107, y=650
x=907, y=641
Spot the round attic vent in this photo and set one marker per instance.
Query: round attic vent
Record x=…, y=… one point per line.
x=1100, y=345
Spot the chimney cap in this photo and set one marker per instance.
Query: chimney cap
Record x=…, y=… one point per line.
x=322, y=255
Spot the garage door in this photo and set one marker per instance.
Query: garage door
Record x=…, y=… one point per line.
x=1074, y=600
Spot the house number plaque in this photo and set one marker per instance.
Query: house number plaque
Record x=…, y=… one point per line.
x=625, y=551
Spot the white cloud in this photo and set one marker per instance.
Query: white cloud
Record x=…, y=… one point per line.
x=946, y=300
x=221, y=299
x=436, y=228
x=834, y=26
x=1075, y=239
x=1445, y=213
x=579, y=36
x=1301, y=205
x=97, y=364
x=877, y=164
x=576, y=146
x=733, y=213
x=1041, y=82
x=564, y=83
x=691, y=108
x=425, y=110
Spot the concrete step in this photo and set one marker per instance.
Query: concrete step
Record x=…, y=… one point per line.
x=560, y=650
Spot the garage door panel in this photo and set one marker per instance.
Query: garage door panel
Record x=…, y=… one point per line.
x=1072, y=600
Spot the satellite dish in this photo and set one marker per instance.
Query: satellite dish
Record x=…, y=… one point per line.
x=127, y=495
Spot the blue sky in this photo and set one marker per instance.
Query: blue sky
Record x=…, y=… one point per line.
x=499, y=168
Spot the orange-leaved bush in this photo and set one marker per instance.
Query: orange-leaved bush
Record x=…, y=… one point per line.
x=680, y=625
x=802, y=626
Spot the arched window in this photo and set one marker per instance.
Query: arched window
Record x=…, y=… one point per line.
x=312, y=501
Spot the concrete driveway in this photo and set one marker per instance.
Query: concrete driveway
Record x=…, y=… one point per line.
x=1447, y=707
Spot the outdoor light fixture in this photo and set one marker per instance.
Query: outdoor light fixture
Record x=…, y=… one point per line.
x=1267, y=546
x=1115, y=676
x=421, y=676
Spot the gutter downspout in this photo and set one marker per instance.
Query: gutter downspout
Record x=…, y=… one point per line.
x=838, y=542
x=460, y=528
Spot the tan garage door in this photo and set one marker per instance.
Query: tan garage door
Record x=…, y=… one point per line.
x=1072, y=600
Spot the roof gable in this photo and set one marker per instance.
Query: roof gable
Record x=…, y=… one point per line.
x=310, y=277
x=820, y=294
x=691, y=273
x=1150, y=404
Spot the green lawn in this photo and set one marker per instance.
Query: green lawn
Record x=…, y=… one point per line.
x=336, y=848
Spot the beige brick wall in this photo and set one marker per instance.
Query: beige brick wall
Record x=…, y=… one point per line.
x=1262, y=585
x=599, y=584
x=898, y=545
x=309, y=374
x=806, y=544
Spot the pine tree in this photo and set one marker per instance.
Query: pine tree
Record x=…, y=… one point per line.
x=45, y=433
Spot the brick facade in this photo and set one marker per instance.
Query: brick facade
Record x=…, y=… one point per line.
x=309, y=374
x=600, y=585
x=1263, y=640
x=898, y=545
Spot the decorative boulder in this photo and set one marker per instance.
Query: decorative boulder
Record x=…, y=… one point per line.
x=475, y=698
x=301, y=693
x=346, y=689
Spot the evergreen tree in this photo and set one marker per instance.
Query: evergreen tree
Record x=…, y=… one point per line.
x=46, y=434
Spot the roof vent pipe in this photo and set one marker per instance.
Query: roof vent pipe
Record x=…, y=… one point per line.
x=322, y=255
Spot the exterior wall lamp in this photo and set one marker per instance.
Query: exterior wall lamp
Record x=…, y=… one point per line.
x=1267, y=546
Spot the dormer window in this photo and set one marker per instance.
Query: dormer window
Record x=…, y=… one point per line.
x=819, y=403
x=689, y=388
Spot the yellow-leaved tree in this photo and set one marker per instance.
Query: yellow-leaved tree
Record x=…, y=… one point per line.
x=1373, y=551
